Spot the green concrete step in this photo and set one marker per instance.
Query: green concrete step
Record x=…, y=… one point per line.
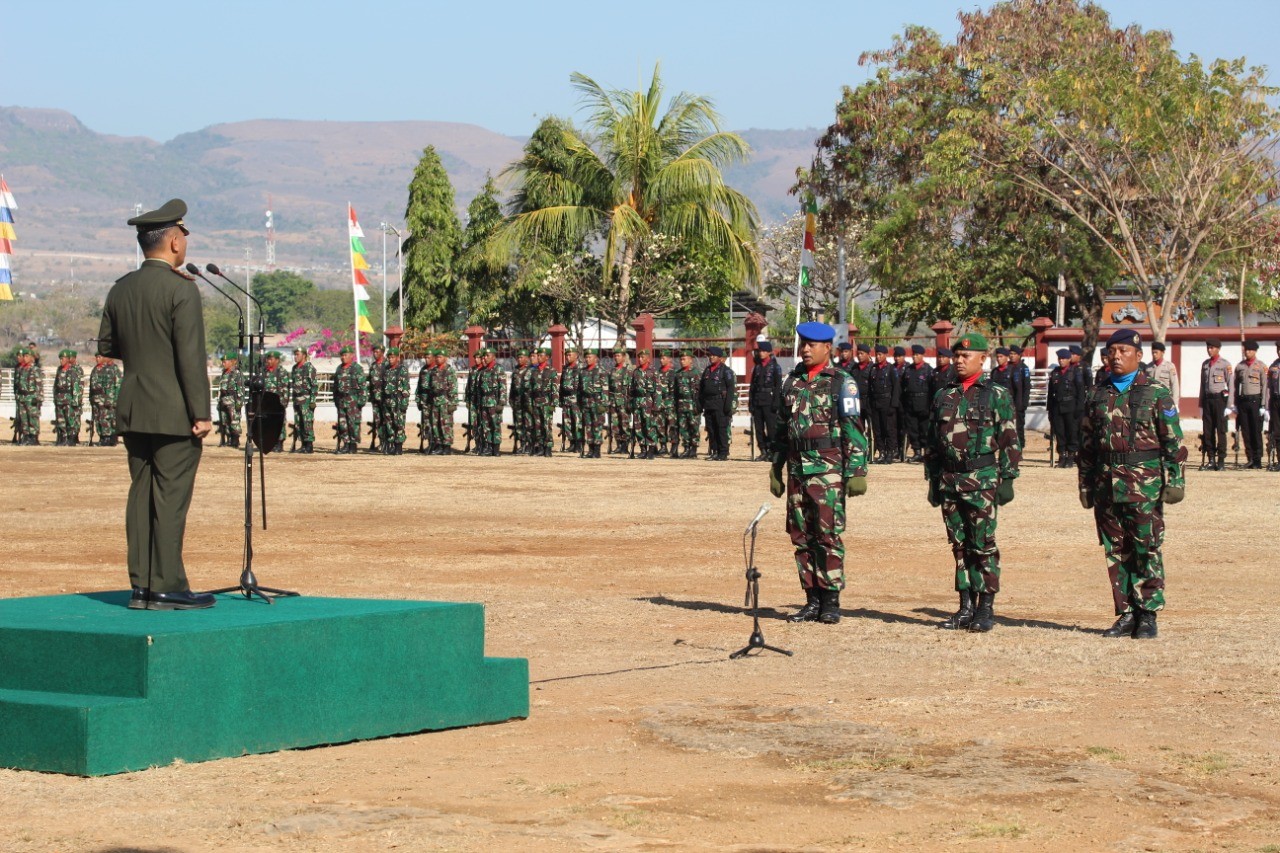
x=89, y=687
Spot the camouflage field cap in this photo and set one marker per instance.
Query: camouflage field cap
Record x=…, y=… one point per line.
x=971, y=342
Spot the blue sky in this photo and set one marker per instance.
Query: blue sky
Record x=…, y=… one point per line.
x=160, y=69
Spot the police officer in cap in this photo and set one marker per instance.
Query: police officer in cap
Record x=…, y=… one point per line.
x=716, y=391
x=1251, y=390
x=764, y=396
x=822, y=454
x=1065, y=400
x=917, y=387
x=153, y=321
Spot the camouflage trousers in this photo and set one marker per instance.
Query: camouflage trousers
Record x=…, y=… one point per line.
x=645, y=430
x=1131, y=534
x=66, y=419
x=490, y=433
x=27, y=419
x=228, y=419
x=970, y=519
x=815, y=521
x=620, y=425
x=304, y=420
x=541, y=426
x=391, y=428
x=104, y=420
x=592, y=424
x=522, y=423
x=376, y=409
x=571, y=423
x=664, y=422
x=350, y=418
x=684, y=430
x=441, y=418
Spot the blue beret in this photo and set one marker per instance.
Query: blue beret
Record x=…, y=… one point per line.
x=843, y=346
x=1128, y=337
x=1002, y=350
x=816, y=332
x=764, y=346
x=1075, y=349
x=864, y=348
x=881, y=348
x=917, y=349
x=1064, y=353
x=715, y=351
x=945, y=351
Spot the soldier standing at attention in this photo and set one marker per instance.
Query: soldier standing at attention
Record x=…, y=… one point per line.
x=446, y=400
x=971, y=461
x=395, y=403
x=471, y=399
x=1162, y=371
x=570, y=414
x=303, y=388
x=1065, y=401
x=152, y=319
x=232, y=388
x=1131, y=464
x=492, y=393
x=1273, y=405
x=860, y=370
x=104, y=388
x=666, y=404
x=546, y=395
x=1217, y=399
x=944, y=374
x=824, y=456
x=276, y=381
x=424, y=397
x=644, y=403
x=28, y=397
x=519, y=398
x=68, y=399
x=917, y=383
x=592, y=394
x=1022, y=401
x=764, y=397
x=377, y=374
x=1077, y=361
x=717, y=393
x=684, y=395
x=620, y=379
x=886, y=394
x=1103, y=373
x=1250, y=391
x=349, y=397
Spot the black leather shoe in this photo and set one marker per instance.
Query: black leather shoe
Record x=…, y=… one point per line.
x=984, y=616
x=184, y=600
x=812, y=604
x=1123, y=627
x=960, y=620
x=829, y=607
x=1146, y=627
x=138, y=601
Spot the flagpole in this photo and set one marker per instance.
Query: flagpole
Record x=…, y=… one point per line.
x=355, y=298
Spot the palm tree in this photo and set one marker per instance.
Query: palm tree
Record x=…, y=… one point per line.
x=633, y=174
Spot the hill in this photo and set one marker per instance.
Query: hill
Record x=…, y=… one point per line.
x=76, y=186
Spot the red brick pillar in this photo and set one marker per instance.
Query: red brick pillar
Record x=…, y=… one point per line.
x=394, y=335
x=1039, y=327
x=853, y=336
x=557, y=333
x=942, y=334
x=754, y=325
x=644, y=332
x=475, y=337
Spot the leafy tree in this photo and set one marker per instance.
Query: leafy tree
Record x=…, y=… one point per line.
x=280, y=292
x=431, y=250
x=221, y=324
x=780, y=247
x=323, y=309
x=633, y=174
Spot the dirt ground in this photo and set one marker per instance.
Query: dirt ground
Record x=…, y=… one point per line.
x=622, y=583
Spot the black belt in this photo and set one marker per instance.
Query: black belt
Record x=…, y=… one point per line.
x=1249, y=397
x=1133, y=457
x=963, y=466
x=825, y=443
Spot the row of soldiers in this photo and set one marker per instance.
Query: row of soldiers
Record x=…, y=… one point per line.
x=68, y=399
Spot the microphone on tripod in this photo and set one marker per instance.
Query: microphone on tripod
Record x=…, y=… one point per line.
x=764, y=510
x=195, y=270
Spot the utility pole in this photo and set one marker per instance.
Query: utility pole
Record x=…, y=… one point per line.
x=137, y=250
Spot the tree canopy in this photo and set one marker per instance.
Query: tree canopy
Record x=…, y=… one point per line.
x=431, y=250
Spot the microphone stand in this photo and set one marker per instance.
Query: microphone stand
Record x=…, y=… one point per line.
x=260, y=437
x=752, y=599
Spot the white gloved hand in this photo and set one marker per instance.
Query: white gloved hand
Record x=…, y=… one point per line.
x=1228, y=411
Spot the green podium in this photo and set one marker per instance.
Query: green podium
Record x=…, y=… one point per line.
x=89, y=687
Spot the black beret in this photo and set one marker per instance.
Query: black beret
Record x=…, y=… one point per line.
x=917, y=349
x=715, y=351
x=899, y=351
x=844, y=346
x=1158, y=345
x=166, y=215
x=764, y=346
x=1127, y=337
x=1075, y=349
x=864, y=348
x=881, y=348
x=1064, y=353
x=1251, y=345
x=1002, y=350
x=945, y=352
x=1014, y=348
x=1213, y=342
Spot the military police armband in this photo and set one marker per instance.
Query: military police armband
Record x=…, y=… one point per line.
x=848, y=403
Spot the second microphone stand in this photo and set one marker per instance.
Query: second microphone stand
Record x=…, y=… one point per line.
x=756, y=641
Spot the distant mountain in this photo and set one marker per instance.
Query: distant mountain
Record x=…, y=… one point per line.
x=76, y=187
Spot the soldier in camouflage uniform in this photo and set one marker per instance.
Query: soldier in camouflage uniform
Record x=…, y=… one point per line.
x=684, y=399
x=1131, y=463
x=276, y=380
x=424, y=397
x=232, y=390
x=519, y=398
x=544, y=390
x=570, y=413
x=349, y=396
x=818, y=444
x=104, y=389
x=971, y=458
x=68, y=399
x=644, y=405
x=491, y=393
x=471, y=401
x=444, y=384
x=376, y=378
x=395, y=403
x=620, y=379
x=666, y=411
x=28, y=397
x=303, y=387
x=593, y=399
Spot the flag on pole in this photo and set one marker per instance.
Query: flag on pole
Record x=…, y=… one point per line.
x=805, y=278
x=360, y=296
x=7, y=207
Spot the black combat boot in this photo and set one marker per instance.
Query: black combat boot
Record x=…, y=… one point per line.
x=1124, y=625
x=812, y=605
x=307, y=447
x=829, y=606
x=595, y=451
x=234, y=441
x=1146, y=628
x=984, y=616
x=962, y=617
x=675, y=452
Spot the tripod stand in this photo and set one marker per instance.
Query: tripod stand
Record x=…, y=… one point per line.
x=752, y=597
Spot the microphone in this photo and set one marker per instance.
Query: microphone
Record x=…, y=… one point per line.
x=195, y=270
x=213, y=268
x=764, y=510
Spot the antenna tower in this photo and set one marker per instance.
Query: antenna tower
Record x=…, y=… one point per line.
x=271, y=236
